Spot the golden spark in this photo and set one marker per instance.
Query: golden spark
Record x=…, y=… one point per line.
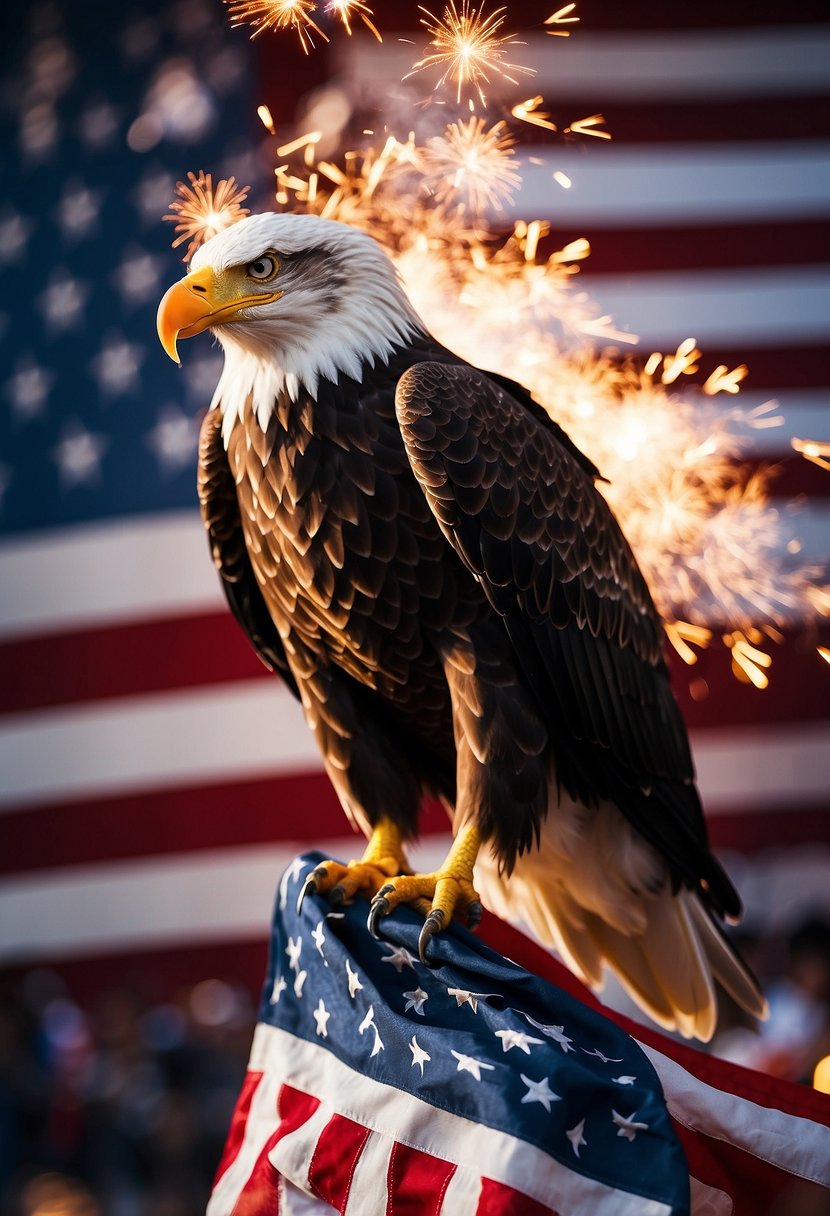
x=347, y=10
x=817, y=453
x=200, y=212
x=469, y=48
x=561, y=17
x=474, y=164
x=722, y=380
x=588, y=126
x=528, y=111
x=264, y=15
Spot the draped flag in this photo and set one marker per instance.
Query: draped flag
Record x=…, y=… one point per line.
x=151, y=768
x=377, y=1084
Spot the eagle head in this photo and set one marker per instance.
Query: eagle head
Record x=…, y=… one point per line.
x=293, y=299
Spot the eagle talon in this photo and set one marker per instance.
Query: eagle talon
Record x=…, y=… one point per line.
x=379, y=909
x=309, y=887
x=337, y=896
x=474, y=914
x=433, y=924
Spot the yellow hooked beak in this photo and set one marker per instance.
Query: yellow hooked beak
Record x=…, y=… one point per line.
x=198, y=301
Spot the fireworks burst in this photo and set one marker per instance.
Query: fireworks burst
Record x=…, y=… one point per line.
x=200, y=212
x=347, y=10
x=265, y=15
x=469, y=48
x=473, y=164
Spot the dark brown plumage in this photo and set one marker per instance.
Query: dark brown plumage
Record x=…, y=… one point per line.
x=423, y=555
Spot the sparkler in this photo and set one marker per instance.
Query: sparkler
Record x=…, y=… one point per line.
x=265, y=15
x=469, y=48
x=200, y=212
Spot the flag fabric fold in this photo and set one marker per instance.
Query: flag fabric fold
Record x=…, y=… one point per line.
x=377, y=1084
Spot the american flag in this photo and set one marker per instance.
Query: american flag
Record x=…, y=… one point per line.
x=377, y=1084
x=155, y=779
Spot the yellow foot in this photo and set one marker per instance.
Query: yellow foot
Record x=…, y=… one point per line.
x=446, y=893
x=384, y=859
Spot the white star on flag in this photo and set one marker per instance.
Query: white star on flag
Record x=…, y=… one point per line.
x=415, y=1000
x=174, y=439
x=294, y=950
x=369, y=1021
x=557, y=1033
x=98, y=125
x=539, y=1091
x=471, y=1065
x=462, y=997
x=628, y=1128
x=318, y=937
x=116, y=365
x=419, y=1056
x=137, y=276
x=15, y=231
x=399, y=957
x=277, y=990
x=624, y=1080
x=79, y=455
x=600, y=1056
x=78, y=210
x=28, y=389
x=321, y=1017
x=355, y=985
x=62, y=301
x=516, y=1038
x=576, y=1137
x=298, y=983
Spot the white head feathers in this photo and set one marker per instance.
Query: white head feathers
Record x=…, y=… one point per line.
x=342, y=307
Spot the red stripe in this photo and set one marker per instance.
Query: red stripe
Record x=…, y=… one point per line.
x=179, y=820
x=124, y=660
x=239, y=1121
x=748, y=118
x=192, y=652
x=260, y=1196
x=335, y=1159
x=751, y=832
x=632, y=251
x=496, y=1199
x=416, y=1182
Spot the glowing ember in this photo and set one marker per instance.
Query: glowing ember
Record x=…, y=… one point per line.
x=561, y=17
x=348, y=10
x=469, y=49
x=528, y=111
x=817, y=453
x=200, y=212
x=265, y=15
x=588, y=126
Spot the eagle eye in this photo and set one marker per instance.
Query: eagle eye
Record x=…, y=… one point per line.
x=263, y=269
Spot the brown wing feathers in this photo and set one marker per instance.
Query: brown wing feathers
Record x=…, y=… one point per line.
x=522, y=511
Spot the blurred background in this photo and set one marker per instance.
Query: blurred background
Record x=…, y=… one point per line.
x=154, y=780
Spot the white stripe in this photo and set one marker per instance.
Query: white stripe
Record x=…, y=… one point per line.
x=255, y=728
x=114, y=572
x=261, y=1124
x=805, y=414
x=208, y=896
x=389, y=1112
x=292, y=1155
x=368, y=1192
x=791, y=1143
x=688, y=65
x=779, y=306
x=462, y=1194
x=252, y=727
x=623, y=187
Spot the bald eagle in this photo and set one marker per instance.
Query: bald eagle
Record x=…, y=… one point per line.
x=422, y=554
